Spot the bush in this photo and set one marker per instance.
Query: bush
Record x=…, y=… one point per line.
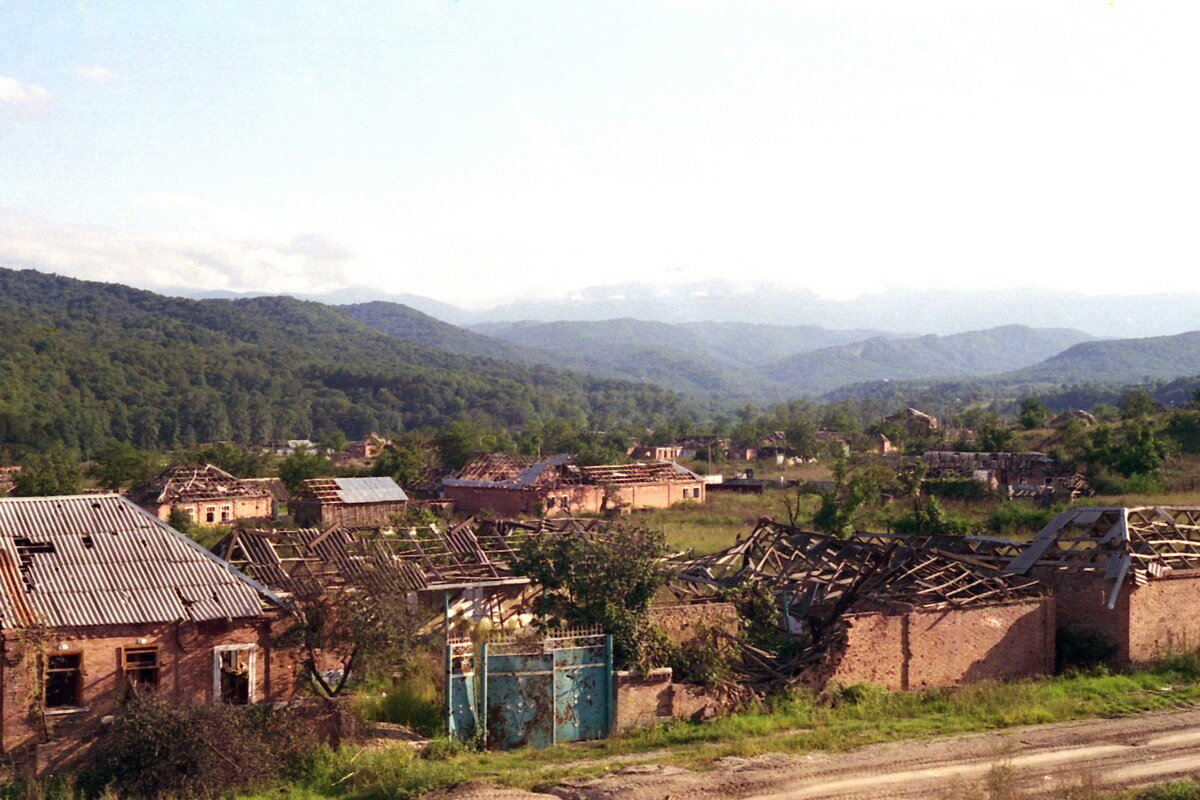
x=1016, y=518
x=708, y=658
x=1075, y=649
x=162, y=748
x=957, y=489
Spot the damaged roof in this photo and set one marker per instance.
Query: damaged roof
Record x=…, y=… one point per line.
x=471, y=554
x=86, y=560
x=353, y=491
x=1140, y=543
x=186, y=484
x=501, y=470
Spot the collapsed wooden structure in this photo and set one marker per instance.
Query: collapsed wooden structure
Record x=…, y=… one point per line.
x=471, y=560
x=821, y=582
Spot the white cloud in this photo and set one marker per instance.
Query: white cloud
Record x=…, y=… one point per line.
x=94, y=73
x=23, y=98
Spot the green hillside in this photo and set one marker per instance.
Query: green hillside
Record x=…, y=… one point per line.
x=974, y=353
x=86, y=361
x=1118, y=361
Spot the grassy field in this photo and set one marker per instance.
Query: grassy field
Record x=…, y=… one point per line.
x=849, y=718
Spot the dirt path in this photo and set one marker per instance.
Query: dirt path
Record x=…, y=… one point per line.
x=1109, y=753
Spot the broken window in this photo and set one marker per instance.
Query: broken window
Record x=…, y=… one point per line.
x=551, y=500
x=210, y=514
x=226, y=513
x=233, y=674
x=140, y=666
x=64, y=680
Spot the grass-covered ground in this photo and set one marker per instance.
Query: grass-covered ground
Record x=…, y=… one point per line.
x=850, y=718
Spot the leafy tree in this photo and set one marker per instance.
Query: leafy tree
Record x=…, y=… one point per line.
x=1136, y=404
x=409, y=460
x=302, y=465
x=1033, y=414
x=360, y=625
x=1184, y=428
x=1132, y=449
x=117, y=464
x=995, y=438
x=840, y=506
x=46, y=474
x=605, y=578
x=460, y=441
x=241, y=461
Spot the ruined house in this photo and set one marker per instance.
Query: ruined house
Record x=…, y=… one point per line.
x=101, y=599
x=280, y=496
x=8, y=477
x=657, y=453
x=467, y=567
x=206, y=495
x=901, y=613
x=524, y=485
x=916, y=424
x=326, y=502
x=1062, y=419
x=1017, y=474
x=1130, y=575
x=701, y=446
x=370, y=447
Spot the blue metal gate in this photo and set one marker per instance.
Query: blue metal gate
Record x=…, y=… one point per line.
x=534, y=692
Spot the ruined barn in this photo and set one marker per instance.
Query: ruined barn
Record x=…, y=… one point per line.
x=1129, y=575
x=205, y=495
x=101, y=600
x=524, y=485
x=328, y=502
x=902, y=613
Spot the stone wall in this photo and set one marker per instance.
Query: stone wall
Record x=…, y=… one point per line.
x=942, y=648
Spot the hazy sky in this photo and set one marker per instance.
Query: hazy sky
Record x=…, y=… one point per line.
x=479, y=150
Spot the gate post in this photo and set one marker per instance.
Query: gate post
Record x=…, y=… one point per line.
x=610, y=680
x=481, y=715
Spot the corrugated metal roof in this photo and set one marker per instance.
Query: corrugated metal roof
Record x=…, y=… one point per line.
x=90, y=560
x=370, y=490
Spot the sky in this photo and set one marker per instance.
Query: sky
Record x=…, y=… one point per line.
x=483, y=151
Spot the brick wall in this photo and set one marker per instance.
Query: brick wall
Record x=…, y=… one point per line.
x=185, y=657
x=943, y=648
x=681, y=621
x=1164, y=617
x=653, y=698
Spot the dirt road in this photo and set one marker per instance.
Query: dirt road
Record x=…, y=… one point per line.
x=1110, y=753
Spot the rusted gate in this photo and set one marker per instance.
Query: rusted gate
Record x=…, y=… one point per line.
x=534, y=692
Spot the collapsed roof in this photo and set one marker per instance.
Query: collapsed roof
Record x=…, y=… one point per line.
x=186, y=484
x=352, y=491
x=1140, y=543
x=501, y=470
x=818, y=579
x=471, y=554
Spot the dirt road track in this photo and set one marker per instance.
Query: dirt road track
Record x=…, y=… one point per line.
x=1111, y=753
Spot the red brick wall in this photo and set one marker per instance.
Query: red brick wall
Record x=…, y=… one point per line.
x=1081, y=606
x=943, y=648
x=185, y=671
x=681, y=621
x=1164, y=617
x=655, y=697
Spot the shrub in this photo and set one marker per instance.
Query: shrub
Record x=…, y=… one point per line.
x=162, y=748
x=1074, y=649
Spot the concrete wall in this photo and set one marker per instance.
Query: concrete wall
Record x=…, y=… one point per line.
x=943, y=648
x=185, y=674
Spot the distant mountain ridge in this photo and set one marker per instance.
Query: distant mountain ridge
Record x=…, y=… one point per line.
x=975, y=353
x=1118, y=361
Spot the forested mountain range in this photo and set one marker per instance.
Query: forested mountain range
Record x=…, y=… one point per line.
x=86, y=361
x=975, y=353
x=1118, y=361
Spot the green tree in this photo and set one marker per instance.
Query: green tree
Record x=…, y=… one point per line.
x=995, y=438
x=116, y=464
x=1184, y=428
x=607, y=578
x=853, y=490
x=1131, y=449
x=1136, y=404
x=302, y=465
x=408, y=460
x=234, y=459
x=1033, y=414
x=55, y=472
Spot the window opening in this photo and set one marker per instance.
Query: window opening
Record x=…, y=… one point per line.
x=64, y=680
x=233, y=674
x=140, y=665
